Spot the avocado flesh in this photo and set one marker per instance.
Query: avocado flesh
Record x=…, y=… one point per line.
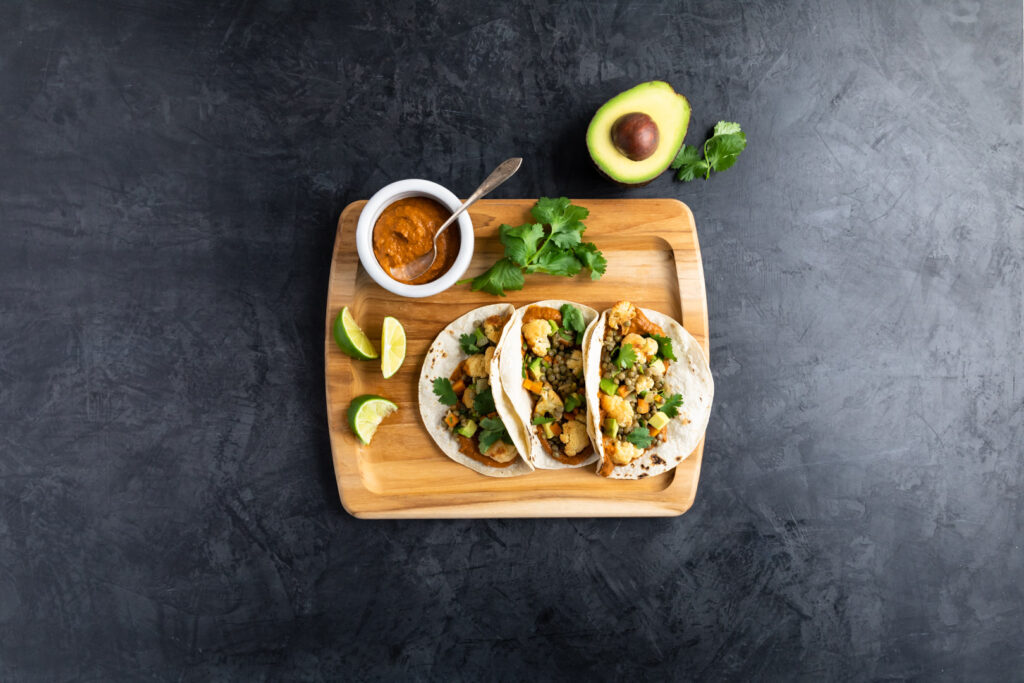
x=670, y=112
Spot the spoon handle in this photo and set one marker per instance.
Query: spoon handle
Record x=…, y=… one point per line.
x=503, y=172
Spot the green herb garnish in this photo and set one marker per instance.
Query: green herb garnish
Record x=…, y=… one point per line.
x=572, y=320
x=541, y=420
x=491, y=431
x=639, y=437
x=483, y=403
x=626, y=357
x=532, y=248
x=467, y=343
x=671, y=405
x=664, y=347
x=720, y=152
x=444, y=391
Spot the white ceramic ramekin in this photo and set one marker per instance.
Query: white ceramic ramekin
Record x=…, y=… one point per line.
x=413, y=187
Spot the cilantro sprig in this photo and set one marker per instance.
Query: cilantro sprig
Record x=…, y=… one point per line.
x=665, y=350
x=483, y=403
x=445, y=392
x=491, y=431
x=572, y=320
x=626, y=357
x=720, y=152
x=640, y=437
x=671, y=405
x=558, y=249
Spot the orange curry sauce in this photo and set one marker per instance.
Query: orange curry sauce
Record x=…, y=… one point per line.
x=405, y=230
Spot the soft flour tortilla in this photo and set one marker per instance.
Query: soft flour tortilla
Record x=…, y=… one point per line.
x=690, y=376
x=520, y=406
x=442, y=357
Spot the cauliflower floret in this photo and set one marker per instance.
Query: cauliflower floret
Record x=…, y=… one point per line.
x=657, y=368
x=644, y=347
x=623, y=452
x=468, y=396
x=549, y=403
x=489, y=354
x=492, y=330
x=621, y=314
x=501, y=451
x=536, y=334
x=644, y=383
x=476, y=365
x=575, y=362
x=618, y=409
x=574, y=436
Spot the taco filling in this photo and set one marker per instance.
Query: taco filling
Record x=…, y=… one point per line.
x=636, y=406
x=472, y=416
x=553, y=378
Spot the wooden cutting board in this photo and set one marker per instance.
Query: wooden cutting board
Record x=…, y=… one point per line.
x=653, y=261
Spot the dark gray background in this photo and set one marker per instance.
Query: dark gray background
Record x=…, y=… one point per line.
x=170, y=178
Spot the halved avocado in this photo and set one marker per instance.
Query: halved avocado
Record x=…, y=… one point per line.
x=635, y=135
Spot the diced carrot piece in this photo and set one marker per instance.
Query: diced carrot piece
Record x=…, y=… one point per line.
x=556, y=428
x=533, y=385
x=641, y=405
x=623, y=391
x=549, y=359
x=653, y=432
x=459, y=387
x=451, y=420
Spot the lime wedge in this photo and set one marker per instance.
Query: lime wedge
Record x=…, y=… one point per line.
x=351, y=339
x=392, y=346
x=365, y=414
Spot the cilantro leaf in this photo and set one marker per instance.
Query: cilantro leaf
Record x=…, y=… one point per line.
x=640, y=437
x=554, y=261
x=467, y=342
x=572, y=319
x=504, y=274
x=688, y=164
x=483, y=404
x=626, y=357
x=491, y=431
x=671, y=405
x=664, y=347
x=721, y=150
x=560, y=214
x=591, y=258
x=521, y=243
x=444, y=391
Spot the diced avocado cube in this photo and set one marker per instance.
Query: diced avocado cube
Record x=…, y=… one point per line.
x=572, y=401
x=554, y=326
x=611, y=427
x=481, y=338
x=535, y=368
x=548, y=431
x=609, y=386
x=467, y=430
x=658, y=420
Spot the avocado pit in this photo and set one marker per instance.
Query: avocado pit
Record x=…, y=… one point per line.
x=635, y=135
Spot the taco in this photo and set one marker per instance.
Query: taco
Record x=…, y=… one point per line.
x=460, y=392
x=540, y=361
x=649, y=391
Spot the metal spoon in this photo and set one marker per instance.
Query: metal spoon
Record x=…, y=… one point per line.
x=421, y=264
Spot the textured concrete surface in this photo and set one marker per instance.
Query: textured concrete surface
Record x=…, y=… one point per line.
x=170, y=177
